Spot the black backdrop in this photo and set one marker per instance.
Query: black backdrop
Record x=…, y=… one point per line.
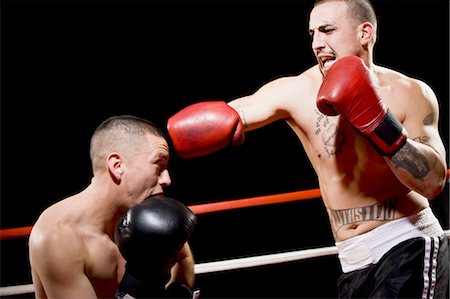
x=67, y=65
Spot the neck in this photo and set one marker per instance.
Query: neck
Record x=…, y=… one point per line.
x=104, y=209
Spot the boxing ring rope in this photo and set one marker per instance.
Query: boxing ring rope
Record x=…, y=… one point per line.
x=219, y=266
x=222, y=265
x=12, y=233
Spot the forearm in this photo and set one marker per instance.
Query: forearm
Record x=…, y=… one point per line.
x=419, y=167
x=183, y=270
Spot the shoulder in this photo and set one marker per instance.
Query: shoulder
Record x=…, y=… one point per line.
x=55, y=233
x=405, y=90
x=307, y=78
x=56, y=250
x=405, y=83
x=48, y=238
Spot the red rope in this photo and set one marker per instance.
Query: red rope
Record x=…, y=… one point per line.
x=12, y=233
x=254, y=201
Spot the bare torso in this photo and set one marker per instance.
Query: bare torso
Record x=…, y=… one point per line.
x=79, y=251
x=358, y=188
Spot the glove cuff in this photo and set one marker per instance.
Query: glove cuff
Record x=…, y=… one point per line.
x=389, y=136
x=179, y=290
x=134, y=287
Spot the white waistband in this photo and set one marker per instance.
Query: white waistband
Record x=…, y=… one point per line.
x=363, y=250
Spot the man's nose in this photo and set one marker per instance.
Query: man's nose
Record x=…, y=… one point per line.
x=318, y=41
x=164, y=178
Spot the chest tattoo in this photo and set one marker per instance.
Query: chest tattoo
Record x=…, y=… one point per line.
x=333, y=139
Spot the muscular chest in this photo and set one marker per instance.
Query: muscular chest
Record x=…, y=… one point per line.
x=336, y=150
x=344, y=159
x=332, y=140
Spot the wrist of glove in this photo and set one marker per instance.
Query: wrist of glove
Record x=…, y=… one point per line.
x=136, y=285
x=388, y=136
x=178, y=290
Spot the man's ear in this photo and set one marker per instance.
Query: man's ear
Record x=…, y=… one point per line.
x=367, y=33
x=115, y=166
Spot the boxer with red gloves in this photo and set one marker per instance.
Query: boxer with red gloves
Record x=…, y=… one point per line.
x=371, y=135
x=204, y=128
x=150, y=237
x=347, y=90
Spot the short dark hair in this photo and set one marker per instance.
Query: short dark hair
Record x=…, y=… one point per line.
x=361, y=10
x=117, y=132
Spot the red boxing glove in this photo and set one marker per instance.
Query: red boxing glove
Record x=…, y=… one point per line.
x=347, y=90
x=204, y=128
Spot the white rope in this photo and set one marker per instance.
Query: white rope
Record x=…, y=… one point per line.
x=16, y=290
x=201, y=268
x=254, y=261
x=223, y=265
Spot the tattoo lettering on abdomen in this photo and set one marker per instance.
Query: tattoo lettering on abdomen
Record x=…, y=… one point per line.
x=384, y=211
x=410, y=159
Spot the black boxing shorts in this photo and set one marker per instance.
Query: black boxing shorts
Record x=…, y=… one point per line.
x=405, y=258
x=416, y=268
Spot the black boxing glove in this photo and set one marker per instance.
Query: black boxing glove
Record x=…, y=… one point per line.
x=178, y=290
x=150, y=236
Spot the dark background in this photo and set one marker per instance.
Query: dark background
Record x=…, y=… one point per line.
x=68, y=65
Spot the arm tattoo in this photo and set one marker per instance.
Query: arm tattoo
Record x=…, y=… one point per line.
x=423, y=139
x=410, y=159
x=429, y=119
x=426, y=140
x=383, y=211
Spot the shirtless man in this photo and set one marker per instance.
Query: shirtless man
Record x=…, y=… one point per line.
x=371, y=134
x=72, y=248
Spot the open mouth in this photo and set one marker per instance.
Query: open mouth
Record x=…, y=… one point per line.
x=327, y=62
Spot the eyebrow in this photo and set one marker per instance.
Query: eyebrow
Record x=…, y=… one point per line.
x=162, y=155
x=165, y=156
x=320, y=28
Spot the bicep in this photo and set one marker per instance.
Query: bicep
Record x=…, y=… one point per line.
x=422, y=119
x=66, y=281
x=266, y=105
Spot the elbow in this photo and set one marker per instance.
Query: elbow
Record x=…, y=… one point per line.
x=435, y=192
x=436, y=187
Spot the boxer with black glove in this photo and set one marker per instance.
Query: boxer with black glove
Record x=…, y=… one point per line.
x=150, y=237
x=347, y=90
